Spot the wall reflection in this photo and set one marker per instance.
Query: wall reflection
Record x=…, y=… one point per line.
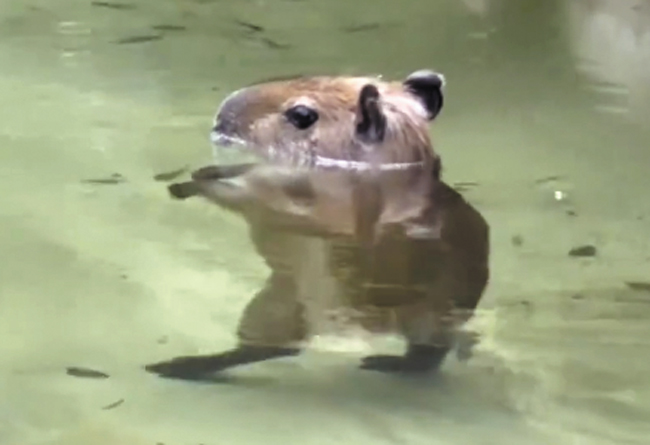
x=610, y=43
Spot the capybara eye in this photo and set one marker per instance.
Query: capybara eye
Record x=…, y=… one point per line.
x=301, y=116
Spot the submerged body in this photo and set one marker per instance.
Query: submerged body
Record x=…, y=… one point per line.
x=352, y=217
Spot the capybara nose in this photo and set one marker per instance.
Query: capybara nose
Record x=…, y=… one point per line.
x=232, y=117
x=224, y=126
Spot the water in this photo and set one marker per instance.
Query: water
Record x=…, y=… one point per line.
x=547, y=105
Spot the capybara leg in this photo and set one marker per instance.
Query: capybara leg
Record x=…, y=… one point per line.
x=274, y=317
x=271, y=327
x=428, y=343
x=198, y=367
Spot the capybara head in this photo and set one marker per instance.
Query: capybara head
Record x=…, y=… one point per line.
x=347, y=122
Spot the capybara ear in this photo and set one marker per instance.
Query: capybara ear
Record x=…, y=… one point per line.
x=371, y=122
x=427, y=86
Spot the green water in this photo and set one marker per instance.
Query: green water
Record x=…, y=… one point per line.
x=546, y=113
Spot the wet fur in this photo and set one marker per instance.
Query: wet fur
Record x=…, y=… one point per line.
x=404, y=251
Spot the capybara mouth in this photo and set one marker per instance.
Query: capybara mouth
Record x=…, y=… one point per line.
x=297, y=156
x=220, y=139
x=227, y=149
x=287, y=155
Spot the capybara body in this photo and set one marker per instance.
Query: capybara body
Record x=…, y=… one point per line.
x=349, y=210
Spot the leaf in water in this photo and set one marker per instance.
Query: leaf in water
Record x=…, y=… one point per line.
x=115, y=178
x=164, y=27
x=252, y=27
x=86, y=373
x=113, y=405
x=638, y=285
x=548, y=179
x=273, y=44
x=583, y=251
x=139, y=39
x=168, y=176
x=114, y=5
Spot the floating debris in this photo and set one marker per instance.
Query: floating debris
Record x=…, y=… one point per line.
x=168, y=176
x=639, y=285
x=115, y=178
x=517, y=240
x=550, y=178
x=253, y=32
x=113, y=405
x=85, y=373
x=273, y=44
x=139, y=39
x=557, y=190
x=114, y=5
x=165, y=27
x=560, y=195
x=252, y=27
x=583, y=251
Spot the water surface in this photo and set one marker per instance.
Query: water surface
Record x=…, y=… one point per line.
x=546, y=114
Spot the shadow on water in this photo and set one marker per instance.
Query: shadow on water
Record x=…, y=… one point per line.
x=545, y=124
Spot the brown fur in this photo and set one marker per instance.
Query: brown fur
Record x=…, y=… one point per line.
x=392, y=250
x=262, y=125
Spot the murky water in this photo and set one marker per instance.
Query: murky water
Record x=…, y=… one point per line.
x=546, y=114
